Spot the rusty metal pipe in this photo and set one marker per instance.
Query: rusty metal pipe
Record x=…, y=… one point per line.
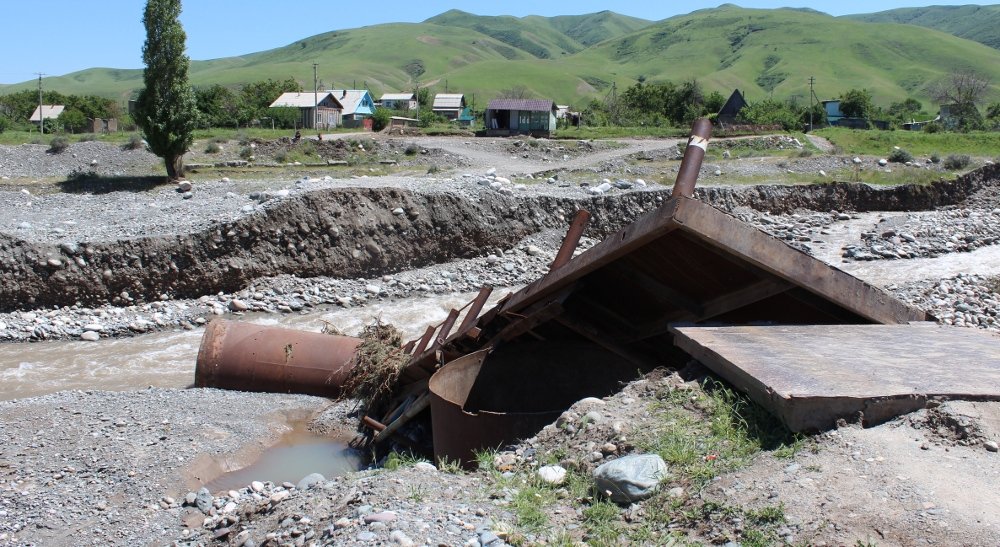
x=248, y=357
x=687, y=175
x=572, y=239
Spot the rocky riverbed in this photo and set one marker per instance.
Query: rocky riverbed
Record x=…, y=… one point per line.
x=98, y=468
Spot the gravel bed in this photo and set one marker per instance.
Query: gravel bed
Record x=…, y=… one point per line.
x=107, y=160
x=929, y=234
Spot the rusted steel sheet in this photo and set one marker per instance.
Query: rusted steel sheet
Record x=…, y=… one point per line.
x=459, y=433
x=572, y=239
x=687, y=174
x=810, y=376
x=248, y=357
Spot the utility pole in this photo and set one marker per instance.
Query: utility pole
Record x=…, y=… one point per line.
x=41, y=117
x=812, y=94
x=315, y=97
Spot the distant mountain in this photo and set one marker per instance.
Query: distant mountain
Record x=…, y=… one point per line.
x=573, y=59
x=977, y=23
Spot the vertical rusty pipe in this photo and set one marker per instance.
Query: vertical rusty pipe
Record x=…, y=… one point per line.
x=249, y=357
x=572, y=239
x=687, y=176
x=424, y=340
x=446, y=328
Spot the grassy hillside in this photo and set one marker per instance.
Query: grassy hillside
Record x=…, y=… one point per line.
x=977, y=23
x=596, y=27
x=763, y=52
x=775, y=52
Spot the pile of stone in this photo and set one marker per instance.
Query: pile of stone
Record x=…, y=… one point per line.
x=964, y=300
x=929, y=234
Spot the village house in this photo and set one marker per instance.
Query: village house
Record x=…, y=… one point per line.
x=399, y=101
x=48, y=112
x=358, y=106
x=535, y=117
x=452, y=106
x=317, y=110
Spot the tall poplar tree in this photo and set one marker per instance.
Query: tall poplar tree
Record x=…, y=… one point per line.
x=166, y=109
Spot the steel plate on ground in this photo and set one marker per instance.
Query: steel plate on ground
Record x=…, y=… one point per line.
x=811, y=376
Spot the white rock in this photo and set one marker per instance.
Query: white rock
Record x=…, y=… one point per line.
x=373, y=289
x=883, y=162
x=90, y=336
x=856, y=160
x=398, y=211
x=425, y=467
x=282, y=193
x=184, y=185
x=492, y=171
x=718, y=172
x=640, y=183
x=257, y=486
x=552, y=474
x=822, y=173
x=225, y=179
x=279, y=496
x=991, y=446
x=533, y=251
x=502, y=180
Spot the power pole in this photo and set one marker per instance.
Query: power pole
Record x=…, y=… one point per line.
x=41, y=117
x=315, y=97
x=811, y=95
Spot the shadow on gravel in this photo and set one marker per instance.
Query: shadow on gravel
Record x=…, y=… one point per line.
x=106, y=185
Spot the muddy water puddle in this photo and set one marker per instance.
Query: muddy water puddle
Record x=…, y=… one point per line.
x=297, y=455
x=167, y=359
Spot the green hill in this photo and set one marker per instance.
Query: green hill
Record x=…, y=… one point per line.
x=573, y=59
x=977, y=23
x=774, y=52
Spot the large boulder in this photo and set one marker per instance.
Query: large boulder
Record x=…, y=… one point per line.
x=631, y=478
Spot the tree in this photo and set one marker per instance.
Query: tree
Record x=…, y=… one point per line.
x=857, y=103
x=218, y=105
x=166, y=111
x=381, y=118
x=516, y=92
x=962, y=91
x=73, y=120
x=256, y=97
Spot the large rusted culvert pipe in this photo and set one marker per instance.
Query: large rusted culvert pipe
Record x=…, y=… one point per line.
x=249, y=357
x=687, y=175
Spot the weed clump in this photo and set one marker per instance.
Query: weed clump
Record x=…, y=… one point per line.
x=955, y=162
x=898, y=155
x=135, y=142
x=376, y=366
x=58, y=144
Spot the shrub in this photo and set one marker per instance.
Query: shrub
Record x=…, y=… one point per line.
x=433, y=169
x=58, y=145
x=935, y=158
x=213, y=148
x=381, y=118
x=281, y=156
x=246, y=153
x=87, y=137
x=954, y=162
x=898, y=155
x=411, y=150
x=4, y=123
x=805, y=153
x=135, y=142
x=932, y=127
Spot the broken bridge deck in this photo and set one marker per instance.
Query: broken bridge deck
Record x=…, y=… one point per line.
x=812, y=375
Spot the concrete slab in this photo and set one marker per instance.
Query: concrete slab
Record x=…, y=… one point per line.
x=811, y=376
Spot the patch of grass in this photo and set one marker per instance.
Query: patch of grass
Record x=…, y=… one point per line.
x=453, y=467
x=587, y=133
x=397, y=460
x=135, y=142
x=603, y=523
x=213, y=148
x=976, y=143
x=418, y=493
x=530, y=505
x=903, y=175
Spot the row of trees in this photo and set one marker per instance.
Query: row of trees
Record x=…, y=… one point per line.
x=16, y=108
x=667, y=103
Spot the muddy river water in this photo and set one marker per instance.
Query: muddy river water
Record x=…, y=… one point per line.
x=167, y=359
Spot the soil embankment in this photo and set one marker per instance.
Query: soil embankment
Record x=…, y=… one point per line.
x=354, y=232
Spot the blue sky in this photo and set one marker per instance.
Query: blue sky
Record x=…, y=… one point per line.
x=57, y=37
